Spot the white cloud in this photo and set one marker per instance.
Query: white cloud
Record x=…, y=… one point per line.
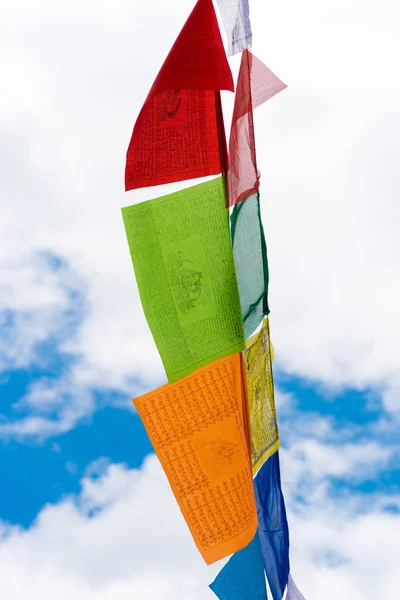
x=38, y=301
x=75, y=75
x=50, y=408
x=136, y=545
x=391, y=395
x=330, y=188
x=124, y=537
x=315, y=462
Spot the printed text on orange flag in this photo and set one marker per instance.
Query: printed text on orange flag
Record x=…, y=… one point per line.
x=199, y=427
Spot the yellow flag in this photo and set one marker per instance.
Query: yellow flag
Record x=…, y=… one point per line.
x=258, y=363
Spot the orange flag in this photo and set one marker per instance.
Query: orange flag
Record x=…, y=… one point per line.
x=199, y=428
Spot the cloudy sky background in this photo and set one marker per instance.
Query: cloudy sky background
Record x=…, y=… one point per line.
x=85, y=510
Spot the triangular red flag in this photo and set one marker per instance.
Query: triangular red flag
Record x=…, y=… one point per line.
x=256, y=84
x=179, y=133
x=197, y=60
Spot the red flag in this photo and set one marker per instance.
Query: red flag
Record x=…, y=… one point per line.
x=256, y=84
x=179, y=132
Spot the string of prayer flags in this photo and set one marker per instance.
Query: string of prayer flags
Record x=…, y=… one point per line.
x=251, y=262
x=272, y=523
x=293, y=593
x=273, y=527
x=236, y=19
x=179, y=132
x=204, y=289
x=256, y=84
x=199, y=428
x=260, y=386
x=243, y=577
x=182, y=255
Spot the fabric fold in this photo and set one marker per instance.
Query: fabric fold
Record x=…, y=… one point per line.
x=251, y=262
x=256, y=84
x=177, y=135
x=293, y=593
x=242, y=578
x=273, y=527
x=199, y=430
x=236, y=19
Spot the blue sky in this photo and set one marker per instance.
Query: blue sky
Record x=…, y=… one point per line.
x=36, y=472
x=85, y=510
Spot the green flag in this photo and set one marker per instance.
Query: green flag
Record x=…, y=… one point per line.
x=250, y=252
x=182, y=255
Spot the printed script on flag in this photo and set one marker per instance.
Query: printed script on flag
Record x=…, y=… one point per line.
x=199, y=428
x=175, y=138
x=182, y=255
x=263, y=425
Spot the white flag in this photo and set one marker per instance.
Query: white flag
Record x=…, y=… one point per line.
x=293, y=593
x=236, y=19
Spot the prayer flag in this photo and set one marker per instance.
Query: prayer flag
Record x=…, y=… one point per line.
x=251, y=262
x=242, y=578
x=179, y=132
x=272, y=525
x=256, y=84
x=236, y=20
x=199, y=428
x=293, y=593
x=260, y=386
x=182, y=256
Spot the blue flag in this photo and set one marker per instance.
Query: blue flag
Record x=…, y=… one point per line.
x=242, y=578
x=272, y=525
